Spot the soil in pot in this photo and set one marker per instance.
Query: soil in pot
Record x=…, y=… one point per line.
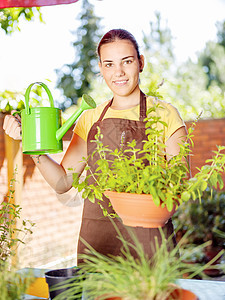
x=58, y=276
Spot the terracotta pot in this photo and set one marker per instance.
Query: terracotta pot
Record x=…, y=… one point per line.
x=138, y=209
x=111, y=298
x=114, y=298
x=178, y=294
x=182, y=294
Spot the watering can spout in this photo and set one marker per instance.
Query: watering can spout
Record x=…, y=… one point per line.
x=87, y=103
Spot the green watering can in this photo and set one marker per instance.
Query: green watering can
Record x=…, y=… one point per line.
x=41, y=126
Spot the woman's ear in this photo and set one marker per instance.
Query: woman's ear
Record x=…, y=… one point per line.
x=100, y=67
x=141, y=63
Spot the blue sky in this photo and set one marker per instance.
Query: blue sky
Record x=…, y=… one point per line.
x=38, y=49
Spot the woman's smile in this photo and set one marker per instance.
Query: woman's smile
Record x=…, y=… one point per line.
x=120, y=82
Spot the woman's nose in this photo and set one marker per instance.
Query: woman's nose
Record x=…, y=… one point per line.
x=119, y=70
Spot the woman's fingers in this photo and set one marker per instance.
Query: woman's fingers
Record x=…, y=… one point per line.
x=12, y=127
x=17, y=116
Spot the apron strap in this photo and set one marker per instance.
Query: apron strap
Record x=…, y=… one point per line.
x=142, y=108
x=105, y=110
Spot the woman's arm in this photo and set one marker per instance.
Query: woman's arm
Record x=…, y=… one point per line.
x=57, y=175
x=172, y=144
x=173, y=148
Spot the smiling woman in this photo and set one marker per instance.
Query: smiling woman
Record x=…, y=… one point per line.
x=121, y=120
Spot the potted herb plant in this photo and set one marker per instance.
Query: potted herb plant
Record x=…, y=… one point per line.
x=126, y=278
x=130, y=183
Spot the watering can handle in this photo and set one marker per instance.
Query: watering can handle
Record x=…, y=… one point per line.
x=27, y=93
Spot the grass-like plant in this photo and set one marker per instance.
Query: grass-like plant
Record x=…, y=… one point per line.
x=13, y=285
x=146, y=171
x=132, y=278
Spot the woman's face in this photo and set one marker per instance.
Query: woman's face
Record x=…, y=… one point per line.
x=120, y=67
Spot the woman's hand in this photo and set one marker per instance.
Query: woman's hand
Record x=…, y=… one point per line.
x=12, y=126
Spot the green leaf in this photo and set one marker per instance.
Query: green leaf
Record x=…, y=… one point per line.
x=221, y=183
x=193, y=195
x=203, y=186
x=156, y=199
x=85, y=193
x=169, y=203
x=98, y=194
x=185, y=196
x=213, y=179
x=91, y=197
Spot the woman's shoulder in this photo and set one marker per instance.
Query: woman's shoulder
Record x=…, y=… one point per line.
x=95, y=112
x=87, y=119
x=90, y=116
x=159, y=102
x=162, y=106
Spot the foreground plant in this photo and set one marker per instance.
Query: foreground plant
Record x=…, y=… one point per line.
x=146, y=171
x=9, y=232
x=133, y=279
x=12, y=285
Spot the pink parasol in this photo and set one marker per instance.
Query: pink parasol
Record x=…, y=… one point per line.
x=32, y=3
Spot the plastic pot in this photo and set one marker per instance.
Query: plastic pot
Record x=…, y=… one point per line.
x=58, y=276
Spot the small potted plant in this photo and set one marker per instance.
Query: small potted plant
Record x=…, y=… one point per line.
x=206, y=222
x=132, y=178
x=127, y=278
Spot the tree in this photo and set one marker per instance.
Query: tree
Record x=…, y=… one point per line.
x=221, y=33
x=159, y=40
x=10, y=17
x=160, y=59
x=212, y=59
x=200, y=86
x=75, y=79
x=193, y=88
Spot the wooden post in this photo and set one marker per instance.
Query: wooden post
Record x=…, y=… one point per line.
x=14, y=156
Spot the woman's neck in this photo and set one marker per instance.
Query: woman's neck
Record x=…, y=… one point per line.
x=126, y=102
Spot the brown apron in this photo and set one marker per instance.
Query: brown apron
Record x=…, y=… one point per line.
x=96, y=229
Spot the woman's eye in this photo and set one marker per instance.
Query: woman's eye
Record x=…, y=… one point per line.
x=127, y=62
x=108, y=65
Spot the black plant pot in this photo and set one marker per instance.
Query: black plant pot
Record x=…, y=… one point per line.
x=58, y=276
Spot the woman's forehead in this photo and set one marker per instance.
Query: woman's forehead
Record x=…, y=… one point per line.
x=117, y=49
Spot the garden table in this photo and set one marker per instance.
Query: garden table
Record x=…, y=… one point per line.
x=204, y=289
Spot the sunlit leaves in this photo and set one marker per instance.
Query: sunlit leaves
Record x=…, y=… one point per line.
x=10, y=17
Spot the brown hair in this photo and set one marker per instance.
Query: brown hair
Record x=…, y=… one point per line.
x=118, y=34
